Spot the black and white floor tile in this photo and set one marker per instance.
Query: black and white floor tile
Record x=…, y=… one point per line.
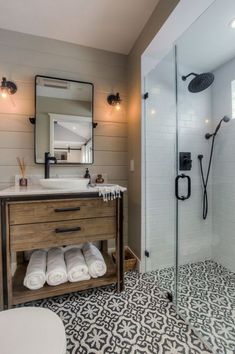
x=206, y=299
x=140, y=320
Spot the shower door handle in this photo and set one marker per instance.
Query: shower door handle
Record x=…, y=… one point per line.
x=177, y=187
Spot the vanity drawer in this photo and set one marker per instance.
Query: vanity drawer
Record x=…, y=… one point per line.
x=46, y=211
x=51, y=234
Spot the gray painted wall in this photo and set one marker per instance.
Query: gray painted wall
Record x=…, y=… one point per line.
x=24, y=56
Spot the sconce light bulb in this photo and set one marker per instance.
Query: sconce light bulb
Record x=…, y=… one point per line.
x=4, y=94
x=118, y=106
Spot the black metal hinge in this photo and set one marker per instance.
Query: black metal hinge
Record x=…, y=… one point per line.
x=169, y=296
x=146, y=95
x=146, y=253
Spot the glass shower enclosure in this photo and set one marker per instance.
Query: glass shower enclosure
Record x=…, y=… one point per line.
x=190, y=213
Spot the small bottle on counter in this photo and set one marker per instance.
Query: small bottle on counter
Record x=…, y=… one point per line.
x=87, y=174
x=99, y=179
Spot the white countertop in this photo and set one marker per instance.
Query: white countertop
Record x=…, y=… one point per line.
x=39, y=190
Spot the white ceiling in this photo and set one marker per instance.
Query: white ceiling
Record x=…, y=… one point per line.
x=105, y=24
x=210, y=41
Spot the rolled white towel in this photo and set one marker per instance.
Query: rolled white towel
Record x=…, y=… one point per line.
x=77, y=269
x=35, y=276
x=94, y=260
x=56, y=269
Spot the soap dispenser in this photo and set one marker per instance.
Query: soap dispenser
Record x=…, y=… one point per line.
x=87, y=174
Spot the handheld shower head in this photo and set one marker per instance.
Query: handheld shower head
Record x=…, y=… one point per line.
x=225, y=119
x=205, y=176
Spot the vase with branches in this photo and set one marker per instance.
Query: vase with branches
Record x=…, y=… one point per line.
x=22, y=167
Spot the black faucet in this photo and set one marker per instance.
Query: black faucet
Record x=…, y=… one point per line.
x=48, y=158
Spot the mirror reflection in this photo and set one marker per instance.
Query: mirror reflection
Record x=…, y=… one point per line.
x=64, y=121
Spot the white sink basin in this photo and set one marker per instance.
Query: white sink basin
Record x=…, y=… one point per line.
x=64, y=183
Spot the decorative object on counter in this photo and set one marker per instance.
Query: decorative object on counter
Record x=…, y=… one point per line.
x=94, y=260
x=87, y=174
x=99, y=179
x=23, y=182
x=77, y=269
x=7, y=88
x=110, y=191
x=56, y=269
x=115, y=100
x=35, y=276
x=129, y=259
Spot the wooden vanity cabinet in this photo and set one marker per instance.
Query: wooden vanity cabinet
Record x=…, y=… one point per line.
x=36, y=222
x=1, y=277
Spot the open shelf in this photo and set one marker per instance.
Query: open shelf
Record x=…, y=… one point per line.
x=21, y=294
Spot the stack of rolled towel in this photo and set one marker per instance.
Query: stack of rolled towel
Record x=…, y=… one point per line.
x=77, y=269
x=62, y=264
x=35, y=276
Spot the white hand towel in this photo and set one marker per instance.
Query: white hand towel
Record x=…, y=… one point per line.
x=56, y=269
x=35, y=276
x=110, y=191
x=77, y=269
x=94, y=260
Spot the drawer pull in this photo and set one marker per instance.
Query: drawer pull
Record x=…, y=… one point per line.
x=66, y=209
x=71, y=229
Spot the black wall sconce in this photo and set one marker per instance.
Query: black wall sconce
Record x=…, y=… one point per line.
x=7, y=88
x=114, y=100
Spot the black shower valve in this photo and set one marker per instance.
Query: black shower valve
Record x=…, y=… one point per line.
x=185, y=163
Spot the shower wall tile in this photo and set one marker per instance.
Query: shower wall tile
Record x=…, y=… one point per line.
x=194, y=117
x=223, y=245
x=195, y=235
x=160, y=133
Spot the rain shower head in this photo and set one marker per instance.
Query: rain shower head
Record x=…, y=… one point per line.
x=225, y=119
x=200, y=82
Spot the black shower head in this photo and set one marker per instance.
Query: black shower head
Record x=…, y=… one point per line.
x=225, y=119
x=200, y=82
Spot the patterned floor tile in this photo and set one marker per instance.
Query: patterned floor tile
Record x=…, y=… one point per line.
x=140, y=320
x=206, y=299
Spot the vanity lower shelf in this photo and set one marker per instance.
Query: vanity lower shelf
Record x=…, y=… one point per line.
x=21, y=294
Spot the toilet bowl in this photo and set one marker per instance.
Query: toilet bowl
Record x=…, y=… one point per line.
x=31, y=330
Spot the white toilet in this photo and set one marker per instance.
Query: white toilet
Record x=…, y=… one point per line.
x=31, y=330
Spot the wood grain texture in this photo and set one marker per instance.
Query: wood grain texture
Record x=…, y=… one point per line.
x=46, y=211
x=43, y=235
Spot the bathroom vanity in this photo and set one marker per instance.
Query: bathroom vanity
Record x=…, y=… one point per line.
x=35, y=218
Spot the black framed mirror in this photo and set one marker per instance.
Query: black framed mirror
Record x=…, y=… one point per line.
x=64, y=120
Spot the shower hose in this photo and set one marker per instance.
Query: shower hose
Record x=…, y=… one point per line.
x=205, y=180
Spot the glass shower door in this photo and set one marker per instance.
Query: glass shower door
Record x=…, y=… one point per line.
x=160, y=170
x=205, y=125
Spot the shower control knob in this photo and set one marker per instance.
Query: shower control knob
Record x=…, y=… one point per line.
x=185, y=161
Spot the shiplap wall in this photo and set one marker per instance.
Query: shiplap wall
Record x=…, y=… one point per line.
x=24, y=56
